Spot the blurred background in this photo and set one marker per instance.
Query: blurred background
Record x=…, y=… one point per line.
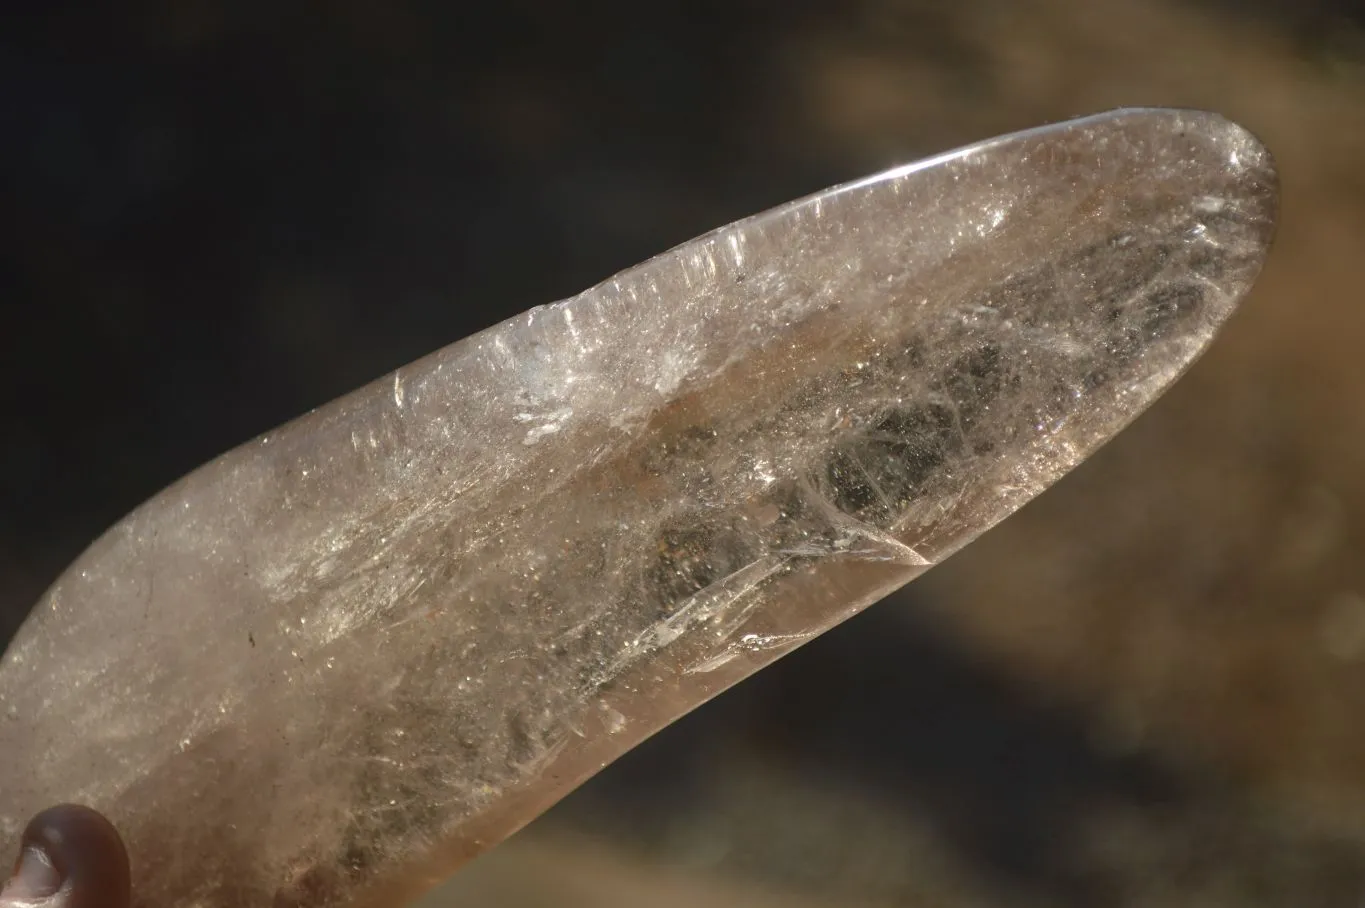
x=1145, y=689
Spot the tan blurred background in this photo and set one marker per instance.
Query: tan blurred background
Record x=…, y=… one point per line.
x=1148, y=688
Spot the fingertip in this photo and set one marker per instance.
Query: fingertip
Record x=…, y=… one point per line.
x=70, y=857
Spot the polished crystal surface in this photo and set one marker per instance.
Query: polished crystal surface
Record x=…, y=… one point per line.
x=333, y=664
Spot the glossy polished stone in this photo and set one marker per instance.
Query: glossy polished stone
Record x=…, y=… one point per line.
x=335, y=663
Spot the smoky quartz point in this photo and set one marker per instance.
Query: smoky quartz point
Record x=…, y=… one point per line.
x=337, y=662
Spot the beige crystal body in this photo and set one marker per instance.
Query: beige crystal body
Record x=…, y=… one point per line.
x=340, y=660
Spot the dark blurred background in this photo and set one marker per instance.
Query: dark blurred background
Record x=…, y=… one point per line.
x=1145, y=689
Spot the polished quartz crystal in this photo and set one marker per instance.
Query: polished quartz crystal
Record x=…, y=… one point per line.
x=333, y=664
